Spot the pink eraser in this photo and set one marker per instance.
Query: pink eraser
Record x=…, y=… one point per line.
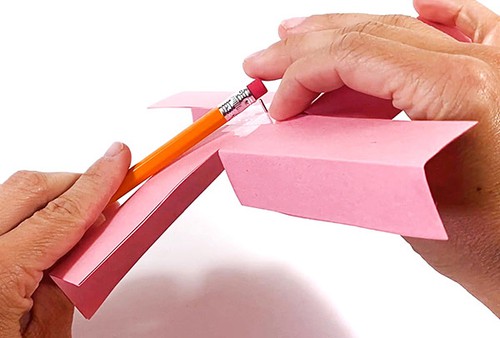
x=257, y=88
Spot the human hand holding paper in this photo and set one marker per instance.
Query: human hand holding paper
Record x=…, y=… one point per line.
x=431, y=76
x=42, y=216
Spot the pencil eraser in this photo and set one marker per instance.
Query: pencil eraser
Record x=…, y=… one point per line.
x=257, y=88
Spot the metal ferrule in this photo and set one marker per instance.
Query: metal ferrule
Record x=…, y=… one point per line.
x=236, y=104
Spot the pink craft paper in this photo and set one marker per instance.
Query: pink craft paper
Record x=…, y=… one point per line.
x=364, y=172
x=95, y=266
x=92, y=269
x=345, y=102
x=102, y=258
x=105, y=254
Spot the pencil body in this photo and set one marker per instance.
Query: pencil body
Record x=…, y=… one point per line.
x=170, y=151
x=189, y=137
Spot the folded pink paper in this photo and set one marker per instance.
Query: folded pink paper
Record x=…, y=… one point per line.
x=368, y=172
x=105, y=254
x=364, y=172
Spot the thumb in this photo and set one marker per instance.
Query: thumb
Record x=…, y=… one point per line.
x=52, y=312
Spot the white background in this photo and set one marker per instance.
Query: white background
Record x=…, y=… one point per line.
x=76, y=76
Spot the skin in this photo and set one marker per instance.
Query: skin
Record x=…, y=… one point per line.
x=42, y=216
x=430, y=76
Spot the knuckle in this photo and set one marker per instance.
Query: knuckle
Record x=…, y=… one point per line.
x=334, y=18
x=61, y=218
x=16, y=286
x=368, y=26
x=399, y=20
x=30, y=183
x=63, y=207
x=485, y=73
x=287, y=42
x=292, y=42
x=348, y=44
x=485, y=80
x=7, y=280
x=348, y=40
x=94, y=181
x=291, y=46
x=480, y=78
x=479, y=74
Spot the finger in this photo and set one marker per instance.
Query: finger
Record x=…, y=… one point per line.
x=52, y=312
x=26, y=192
x=374, y=66
x=42, y=239
x=341, y=20
x=272, y=63
x=472, y=18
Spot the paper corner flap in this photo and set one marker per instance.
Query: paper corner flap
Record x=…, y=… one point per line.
x=199, y=99
x=192, y=99
x=84, y=305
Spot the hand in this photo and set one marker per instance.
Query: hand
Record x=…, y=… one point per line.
x=42, y=216
x=429, y=75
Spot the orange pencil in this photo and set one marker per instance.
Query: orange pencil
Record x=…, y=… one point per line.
x=189, y=137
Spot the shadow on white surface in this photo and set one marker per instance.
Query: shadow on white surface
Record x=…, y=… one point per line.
x=228, y=302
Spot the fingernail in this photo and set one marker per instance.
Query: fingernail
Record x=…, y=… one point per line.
x=254, y=55
x=114, y=149
x=292, y=23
